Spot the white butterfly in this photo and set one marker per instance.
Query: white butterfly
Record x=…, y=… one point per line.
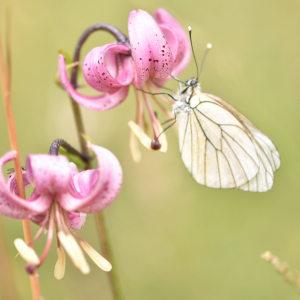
x=219, y=146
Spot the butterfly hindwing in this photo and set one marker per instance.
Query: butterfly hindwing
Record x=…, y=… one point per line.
x=269, y=159
x=215, y=146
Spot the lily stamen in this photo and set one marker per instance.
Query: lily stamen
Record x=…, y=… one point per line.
x=59, y=269
x=98, y=259
x=37, y=236
x=139, y=108
x=26, y=252
x=151, y=115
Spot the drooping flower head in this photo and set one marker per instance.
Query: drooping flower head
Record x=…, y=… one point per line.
x=62, y=198
x=157, y=48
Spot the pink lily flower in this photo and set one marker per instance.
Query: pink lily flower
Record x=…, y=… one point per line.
x=61, y=199
x=157, y=48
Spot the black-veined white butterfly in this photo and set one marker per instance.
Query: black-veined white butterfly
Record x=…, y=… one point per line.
x=219, y=146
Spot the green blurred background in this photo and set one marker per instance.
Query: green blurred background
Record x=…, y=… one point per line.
x=171, y=238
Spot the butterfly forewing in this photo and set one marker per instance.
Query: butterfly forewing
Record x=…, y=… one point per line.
x=221, y=148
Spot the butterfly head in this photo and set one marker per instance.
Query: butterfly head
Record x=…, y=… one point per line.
x=193, y=82
x=191, y=86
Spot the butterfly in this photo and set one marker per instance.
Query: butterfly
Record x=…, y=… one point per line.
x=219, y=146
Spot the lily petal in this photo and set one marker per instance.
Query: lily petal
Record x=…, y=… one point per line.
x=105, y=190
x=100, y=102
x=76, y=220
x=183, y=56
x=49, y=174
x=15, y=207
x=151, y=52
x=171, y=39
x=101, y=65
x=84, y=181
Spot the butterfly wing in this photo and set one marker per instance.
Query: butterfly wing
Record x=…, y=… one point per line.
x=269, y=159
x=218, y=148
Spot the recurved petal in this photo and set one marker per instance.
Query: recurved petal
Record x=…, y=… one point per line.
x=101, y=102
x=11, y=205
x=50, y=174
x=150, y=50
x=76, y=219
x=183, y=56
x=84, y=181
x=108, y=68
x=104, y=190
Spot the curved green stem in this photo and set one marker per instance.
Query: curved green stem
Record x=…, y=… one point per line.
x=121, y=38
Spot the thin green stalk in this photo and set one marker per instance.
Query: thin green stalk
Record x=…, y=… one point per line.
x=113, y=280
x=121, y=38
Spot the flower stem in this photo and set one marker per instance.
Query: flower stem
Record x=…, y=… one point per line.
x=62, y=143
x=122, y=39
x=108, y=255
x=5, y=82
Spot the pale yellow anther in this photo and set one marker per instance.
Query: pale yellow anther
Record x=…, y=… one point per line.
x=26, y=252
x=140, y=134
x=99, y=260
x=134, y=148
x=59, y=270
x=74, y=252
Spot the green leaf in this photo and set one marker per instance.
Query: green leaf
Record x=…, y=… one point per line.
x=72, y=158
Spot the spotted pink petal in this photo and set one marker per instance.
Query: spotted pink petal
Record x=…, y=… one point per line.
x=183, y=56
x=76, y=219
x=13, y=206
x=171, y=38
x=101, y=102
x=105, y=72
x=150, y=51
x=95, y=190
x=49, y=174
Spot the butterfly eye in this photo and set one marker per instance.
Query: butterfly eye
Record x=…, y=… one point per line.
x=193, y=82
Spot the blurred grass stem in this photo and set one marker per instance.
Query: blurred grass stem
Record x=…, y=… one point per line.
x=7, y=290
x=290, y=276
x=5, y=73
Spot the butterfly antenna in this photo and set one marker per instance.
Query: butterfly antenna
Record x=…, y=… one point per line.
x=162, y=87
x=158, y=94
x=190, y=34
x=208, y=47
x=175, y=78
